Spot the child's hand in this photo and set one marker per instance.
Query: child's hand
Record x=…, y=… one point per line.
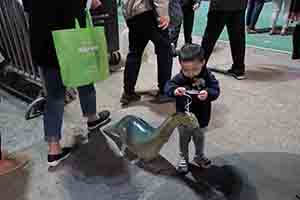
x=203, y=94
x=196, y=6
x=180, y=91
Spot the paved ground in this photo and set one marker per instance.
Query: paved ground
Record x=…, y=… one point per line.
x=260, y=114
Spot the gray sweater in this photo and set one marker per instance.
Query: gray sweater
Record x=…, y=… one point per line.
x=132, y=8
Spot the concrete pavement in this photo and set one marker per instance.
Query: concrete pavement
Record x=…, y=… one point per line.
x=260, y=114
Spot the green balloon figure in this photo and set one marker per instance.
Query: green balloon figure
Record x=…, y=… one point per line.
x=143, y=139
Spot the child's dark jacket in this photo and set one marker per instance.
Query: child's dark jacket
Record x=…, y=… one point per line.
x=204, y=81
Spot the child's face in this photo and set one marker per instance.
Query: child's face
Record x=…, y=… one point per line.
x=192, y=68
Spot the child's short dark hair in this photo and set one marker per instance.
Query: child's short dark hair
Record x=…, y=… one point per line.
x=191, y=52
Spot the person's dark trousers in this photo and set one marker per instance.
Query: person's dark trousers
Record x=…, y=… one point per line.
x=254, y=9
x=142, y=29
x=188, y=24
x=235, y=23
x=296, y=42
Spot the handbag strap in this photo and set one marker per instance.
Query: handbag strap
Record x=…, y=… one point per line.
x=88, y=19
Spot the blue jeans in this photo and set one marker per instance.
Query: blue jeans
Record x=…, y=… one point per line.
x=54, y=108
x=253, y=12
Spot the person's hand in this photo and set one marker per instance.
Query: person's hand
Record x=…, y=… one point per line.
x=203, y=95
x=164, y=22
x=196, y=6
x=96, y=4
x=180, y=91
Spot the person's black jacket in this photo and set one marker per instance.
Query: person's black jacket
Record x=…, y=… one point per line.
x=189, y=2
x=47, y=16
x=228, y=5
x=204, y=81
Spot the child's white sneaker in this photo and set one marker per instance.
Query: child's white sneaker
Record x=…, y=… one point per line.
x=183, y=167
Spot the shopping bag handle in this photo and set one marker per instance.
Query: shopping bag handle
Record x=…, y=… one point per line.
x=88, y=19
x=77, y=25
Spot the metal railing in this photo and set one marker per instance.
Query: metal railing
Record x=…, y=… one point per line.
x=14, y=34
x=15, y=47
x=20, y=76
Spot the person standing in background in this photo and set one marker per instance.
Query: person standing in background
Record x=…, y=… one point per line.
x=232, y=14
x=253, y=12
x=295, y=17
x=176, y=18
x=147, y=21
x=188, y=8
x=45, y=17
x=277, y=6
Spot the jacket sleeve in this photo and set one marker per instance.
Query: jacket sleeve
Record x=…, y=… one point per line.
x=173, y=84
x=213, y=87
x=161, y=7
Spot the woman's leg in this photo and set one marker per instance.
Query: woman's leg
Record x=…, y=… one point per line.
x=277, y=4
x=259, y=4
x=188, y=23
x=286, y=12
x=250, y=10
x=54, y=109
x=87, y=95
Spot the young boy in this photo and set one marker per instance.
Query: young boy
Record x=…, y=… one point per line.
x=193, y=76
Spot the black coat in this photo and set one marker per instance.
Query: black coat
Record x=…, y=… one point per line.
x=228, y=5
x=47, y=16
x=204, y=81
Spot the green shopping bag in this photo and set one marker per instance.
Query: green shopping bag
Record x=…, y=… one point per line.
x=82, y=54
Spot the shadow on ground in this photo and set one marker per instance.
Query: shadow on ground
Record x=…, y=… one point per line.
x=272, y=72
x=265, y=73
x=96, y=171
x=94, y=159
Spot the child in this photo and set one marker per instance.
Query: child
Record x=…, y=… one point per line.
x=193, y=76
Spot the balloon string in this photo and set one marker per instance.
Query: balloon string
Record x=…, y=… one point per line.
x=189, y=102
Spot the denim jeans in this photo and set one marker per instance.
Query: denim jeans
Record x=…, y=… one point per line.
x=277, y=7
x=54, y=108
x=253, y=12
